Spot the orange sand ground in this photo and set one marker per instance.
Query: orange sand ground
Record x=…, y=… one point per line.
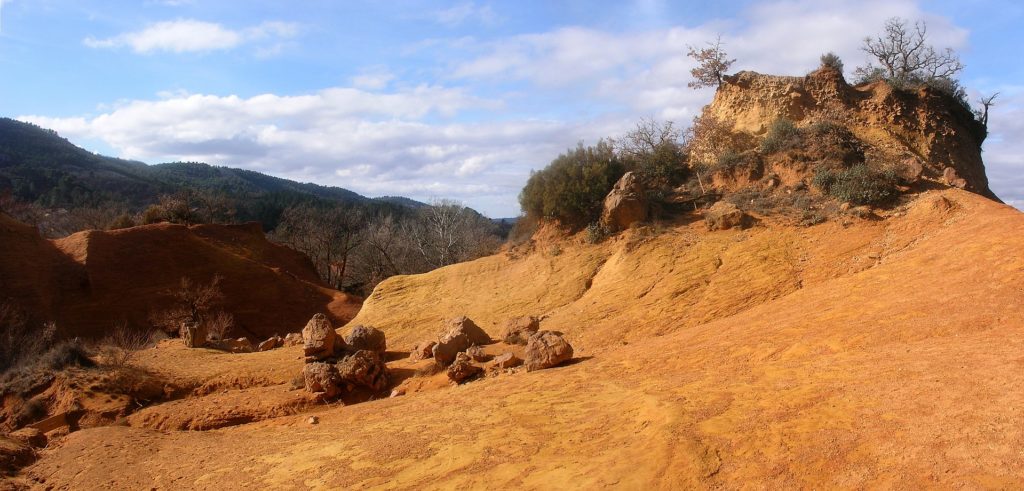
x=879, y=354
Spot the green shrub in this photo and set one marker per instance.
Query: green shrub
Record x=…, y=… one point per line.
x=572, y=188
x=730, y=158
x=859, y=185
x=831, y=60
x=781, y=135
x=596, y=233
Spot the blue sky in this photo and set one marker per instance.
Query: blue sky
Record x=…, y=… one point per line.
x=437, y=99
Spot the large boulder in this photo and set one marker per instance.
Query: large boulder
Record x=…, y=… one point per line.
x=546, y=349
x=293, y=339
x=459, y=335
x=319, y=339
x=367, y=338
x=625, y=204
x=724, y=215
x=240, y=345
x=271, y=343
x=950, y=176
x=462, y=368
x=194, y=334
x=364, y=368
x=519, y=329
x=507, y=360
x=322, y=378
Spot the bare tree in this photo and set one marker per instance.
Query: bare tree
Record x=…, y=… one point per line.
x=905, y=57
x=712, y=63
x=986, y=102
x=326, y=235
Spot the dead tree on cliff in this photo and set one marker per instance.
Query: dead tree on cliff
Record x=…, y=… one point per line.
x=906, y=59
x=712, y=63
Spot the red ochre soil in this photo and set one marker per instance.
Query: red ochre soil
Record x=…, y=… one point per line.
x=90, y=281
x=852, y=354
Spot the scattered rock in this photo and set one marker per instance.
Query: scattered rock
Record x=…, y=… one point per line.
x=367, y=338
x=477, y=353
x=364, y=368
x=911, y=171
x=313, y=420
x=462, y=368
x=460, y=334
x=423, y=350
x=30, y=436
x=240, y=345
x=322, y=378
x=193, y=334
x=507, y=360
x=319, y=339
x=399, y=391
x=845, y=206
x=519, y=329
x=546, y=349
x=951, y=178
x=272, y=343
x=293, y=339
x=724, y=215
x=625, y=204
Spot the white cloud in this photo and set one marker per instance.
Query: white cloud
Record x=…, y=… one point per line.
x=383, y=135
x=465, y=12
x=187, y=35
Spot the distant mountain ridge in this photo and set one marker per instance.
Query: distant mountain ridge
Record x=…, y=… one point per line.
x=38, y=165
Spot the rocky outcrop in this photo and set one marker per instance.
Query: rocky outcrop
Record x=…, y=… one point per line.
x=625, y=204
x=194, y=334
x=724, y=215
x=367, y=338
x=546, y=349
x=894, y=124
x=273, y=342
x=519, y=329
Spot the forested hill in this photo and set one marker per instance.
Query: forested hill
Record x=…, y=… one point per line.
x=39, y=166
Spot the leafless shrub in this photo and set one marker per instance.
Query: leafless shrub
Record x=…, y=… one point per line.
x=193, y=302
x=121, y=343
x=20, y=340
x=219, y=324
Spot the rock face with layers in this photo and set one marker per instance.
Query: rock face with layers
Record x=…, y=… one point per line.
x=625, y=204
x=546, y=349
x=894, y=123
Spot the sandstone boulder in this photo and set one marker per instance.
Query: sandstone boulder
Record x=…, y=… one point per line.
x=462, y=368
x=367, y=338
x=950, y=176
x=625, y=204
x=460, y=334
x=240, y=345
x=911, y=170
x=322, y=378
x=364, y=368
x=293, y=339
x=546, y=349
x=423, y=350
x=724, y=215
x=319, y=339
x=519, y=329
x=194, y=334
x=477, y=353
x=271, y=343
x=507, y=360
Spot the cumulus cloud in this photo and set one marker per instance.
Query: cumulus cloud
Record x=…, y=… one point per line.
x=187, y=35
x=465, y=12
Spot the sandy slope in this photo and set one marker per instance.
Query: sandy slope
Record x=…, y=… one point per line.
x=884, y=354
